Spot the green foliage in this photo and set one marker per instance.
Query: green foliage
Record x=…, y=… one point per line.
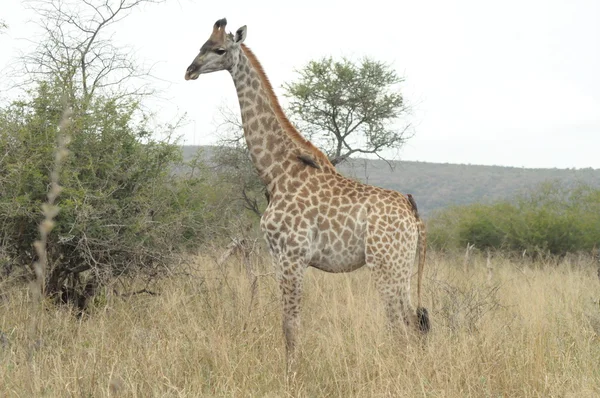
x=481, y=228
x=121, y=207
x=238, y=175
x=553, y=218
x=348, y=107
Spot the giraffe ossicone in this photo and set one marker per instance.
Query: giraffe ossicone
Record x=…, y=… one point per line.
x=316, y=217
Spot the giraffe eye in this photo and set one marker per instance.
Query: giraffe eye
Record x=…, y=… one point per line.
x=219, y=51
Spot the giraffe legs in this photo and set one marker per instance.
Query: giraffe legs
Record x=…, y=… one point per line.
x=396, y=300
x=392, y=265
x=291, y=276
x=390, y=254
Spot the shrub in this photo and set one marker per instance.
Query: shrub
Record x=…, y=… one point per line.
x=122, y=208
x=551, y=218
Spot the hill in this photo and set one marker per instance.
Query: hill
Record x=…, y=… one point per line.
x=438, y=185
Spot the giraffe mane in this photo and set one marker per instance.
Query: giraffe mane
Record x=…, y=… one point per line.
x=293, y=133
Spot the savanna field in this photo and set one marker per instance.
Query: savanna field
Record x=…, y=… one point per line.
x=118, y=270
x=507, y=328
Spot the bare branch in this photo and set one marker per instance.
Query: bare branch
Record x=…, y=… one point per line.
x=78, y=49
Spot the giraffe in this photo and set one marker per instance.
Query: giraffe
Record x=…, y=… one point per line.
x=316, y=217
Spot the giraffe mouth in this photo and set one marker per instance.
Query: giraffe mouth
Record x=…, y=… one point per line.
x=191, y=73
x=191, y=76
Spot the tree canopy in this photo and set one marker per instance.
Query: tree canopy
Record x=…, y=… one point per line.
x=349, y=107
x=120, y=208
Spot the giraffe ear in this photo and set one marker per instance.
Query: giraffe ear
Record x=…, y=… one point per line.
x=240, y=35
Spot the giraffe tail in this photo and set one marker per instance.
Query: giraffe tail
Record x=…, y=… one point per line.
x=422, y=315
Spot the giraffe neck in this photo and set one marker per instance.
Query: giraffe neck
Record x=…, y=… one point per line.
x=273, y=142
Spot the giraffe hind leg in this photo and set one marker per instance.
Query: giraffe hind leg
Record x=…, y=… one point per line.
x=392, y=265
x=394, y=292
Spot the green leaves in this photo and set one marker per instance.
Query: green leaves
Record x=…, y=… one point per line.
x=348, y=107
x=121, y=207
x=553, y=218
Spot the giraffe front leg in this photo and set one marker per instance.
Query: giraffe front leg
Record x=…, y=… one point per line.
x=290, y=281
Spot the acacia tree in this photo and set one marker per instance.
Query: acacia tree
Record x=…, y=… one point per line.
x=349, y=108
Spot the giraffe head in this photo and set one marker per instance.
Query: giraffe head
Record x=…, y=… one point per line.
x=220, y=52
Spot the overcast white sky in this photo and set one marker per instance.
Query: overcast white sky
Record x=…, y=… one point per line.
x=512, y=83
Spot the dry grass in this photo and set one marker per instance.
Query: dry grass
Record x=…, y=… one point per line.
x=529, y=331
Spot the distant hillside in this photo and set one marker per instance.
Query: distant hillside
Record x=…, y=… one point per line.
x=438, y=185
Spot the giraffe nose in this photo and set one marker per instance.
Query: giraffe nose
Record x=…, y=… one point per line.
x=191, y=73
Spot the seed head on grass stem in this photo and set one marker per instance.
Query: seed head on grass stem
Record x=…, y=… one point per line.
x=49, y=209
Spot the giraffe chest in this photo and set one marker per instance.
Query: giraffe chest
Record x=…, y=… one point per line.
x=326, y=235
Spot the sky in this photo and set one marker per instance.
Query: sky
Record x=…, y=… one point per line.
x=511, y=83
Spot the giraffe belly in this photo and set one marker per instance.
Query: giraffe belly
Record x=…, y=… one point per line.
x=338, y=256
x=338, y=239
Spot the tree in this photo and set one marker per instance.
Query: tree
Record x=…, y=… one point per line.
x=122, y=208
x=79, y=52
x=349, y=108
x=113, y=195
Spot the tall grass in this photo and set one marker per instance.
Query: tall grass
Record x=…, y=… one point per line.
x=525, y=330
